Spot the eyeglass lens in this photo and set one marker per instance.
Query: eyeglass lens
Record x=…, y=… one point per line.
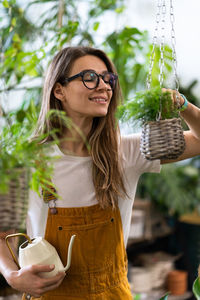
x=91, y=79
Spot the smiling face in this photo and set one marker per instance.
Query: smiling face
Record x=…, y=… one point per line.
x=77, y=100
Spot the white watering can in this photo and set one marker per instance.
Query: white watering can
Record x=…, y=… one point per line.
x=40, y=252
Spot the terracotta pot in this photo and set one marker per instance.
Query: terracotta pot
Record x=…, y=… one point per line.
x=177, y=282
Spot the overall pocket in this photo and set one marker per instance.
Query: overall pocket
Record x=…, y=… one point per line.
x=94, y=246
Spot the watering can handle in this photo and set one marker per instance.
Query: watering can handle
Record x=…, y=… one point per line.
x=9, y=247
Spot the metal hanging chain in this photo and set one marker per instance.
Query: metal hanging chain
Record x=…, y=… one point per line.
x=160, y=21
x=173, y=41
x=155, y=39
x=161, y=59
x=162, y=44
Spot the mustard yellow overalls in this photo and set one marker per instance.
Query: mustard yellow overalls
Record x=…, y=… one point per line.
x=99, y=263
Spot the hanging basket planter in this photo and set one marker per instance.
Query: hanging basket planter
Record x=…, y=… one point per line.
x=162, y=139
x=162, y=134
x=14, y=202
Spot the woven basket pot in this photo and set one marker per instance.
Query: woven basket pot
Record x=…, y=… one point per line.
x=14, y=203
x=162, y=139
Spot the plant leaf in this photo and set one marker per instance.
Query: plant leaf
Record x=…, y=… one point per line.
x=196, y=288
x=165, y=297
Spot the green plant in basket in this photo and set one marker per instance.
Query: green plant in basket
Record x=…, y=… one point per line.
x=162, y=134
x=146, y=105
x=24, y=164
x=19, y=152
x=16, y=152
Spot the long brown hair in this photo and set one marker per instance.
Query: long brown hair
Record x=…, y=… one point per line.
x=104, y=135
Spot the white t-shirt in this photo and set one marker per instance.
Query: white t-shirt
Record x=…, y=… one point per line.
x=73, y=180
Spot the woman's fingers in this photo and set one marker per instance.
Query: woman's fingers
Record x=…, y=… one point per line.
x=41, y=268
x=54, y=280
x=177, y=100
x=48, y=284
x=32, y=274
x=53, y=285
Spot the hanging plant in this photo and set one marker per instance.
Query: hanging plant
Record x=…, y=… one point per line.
x=162, y=135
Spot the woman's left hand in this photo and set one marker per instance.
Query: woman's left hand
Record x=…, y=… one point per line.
x=177, y=99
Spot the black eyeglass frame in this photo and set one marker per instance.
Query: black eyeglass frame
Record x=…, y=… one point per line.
x=81, y=74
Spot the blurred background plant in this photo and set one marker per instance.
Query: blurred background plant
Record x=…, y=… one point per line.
x=19, y=152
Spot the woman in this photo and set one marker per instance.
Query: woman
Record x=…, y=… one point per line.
x=96, y=184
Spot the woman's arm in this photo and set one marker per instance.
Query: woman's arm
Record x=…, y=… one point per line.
x=27, y=280
x=191, y=116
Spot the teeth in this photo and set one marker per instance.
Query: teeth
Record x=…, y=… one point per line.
x=98, y=100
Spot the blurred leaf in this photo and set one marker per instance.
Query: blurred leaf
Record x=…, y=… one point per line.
x=96, y=26
x=120, y=10
x=20, y=116
x=196, y=288
x=5, y=3
x=165, y=297
x=13, y=22
x=16, y=38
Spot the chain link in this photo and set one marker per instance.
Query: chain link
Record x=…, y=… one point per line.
x=173, y=41
x=155, y=40
x=162, y=44
x=160, y=25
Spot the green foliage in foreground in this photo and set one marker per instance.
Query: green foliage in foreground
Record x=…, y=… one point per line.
x=19, y=152
x=196, y=288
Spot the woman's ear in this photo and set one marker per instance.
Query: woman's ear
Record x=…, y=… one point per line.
x=58, y=91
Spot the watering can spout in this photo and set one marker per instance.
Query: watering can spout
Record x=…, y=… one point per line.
x=69, y=254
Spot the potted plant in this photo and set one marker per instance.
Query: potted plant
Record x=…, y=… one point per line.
x=21, y=167
x=162, y=134
x=195, y=288
x=26, y=163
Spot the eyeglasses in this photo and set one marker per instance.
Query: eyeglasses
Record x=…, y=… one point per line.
x=91, y=79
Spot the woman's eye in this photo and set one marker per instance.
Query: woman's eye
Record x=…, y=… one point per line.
x=106, y=78
x=90, y=77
